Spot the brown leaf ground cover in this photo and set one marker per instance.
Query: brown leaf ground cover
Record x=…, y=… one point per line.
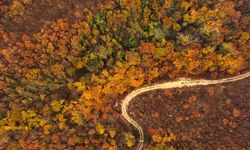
x=213, y=117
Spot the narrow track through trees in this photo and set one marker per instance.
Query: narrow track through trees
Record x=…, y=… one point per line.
x=184, y=82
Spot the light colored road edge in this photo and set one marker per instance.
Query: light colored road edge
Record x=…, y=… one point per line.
x=185, y=82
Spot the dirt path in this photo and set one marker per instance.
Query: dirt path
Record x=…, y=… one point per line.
x=169, y=85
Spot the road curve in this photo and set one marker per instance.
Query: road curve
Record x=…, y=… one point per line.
x=184, y=82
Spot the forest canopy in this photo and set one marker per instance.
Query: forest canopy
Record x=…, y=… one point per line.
x=59, y=85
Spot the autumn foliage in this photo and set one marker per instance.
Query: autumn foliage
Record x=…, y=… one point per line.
x=59, y=85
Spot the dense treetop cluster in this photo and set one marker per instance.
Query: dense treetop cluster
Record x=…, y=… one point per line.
x=57, y=87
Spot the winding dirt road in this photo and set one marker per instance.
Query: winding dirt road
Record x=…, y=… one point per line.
x=185, y=82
